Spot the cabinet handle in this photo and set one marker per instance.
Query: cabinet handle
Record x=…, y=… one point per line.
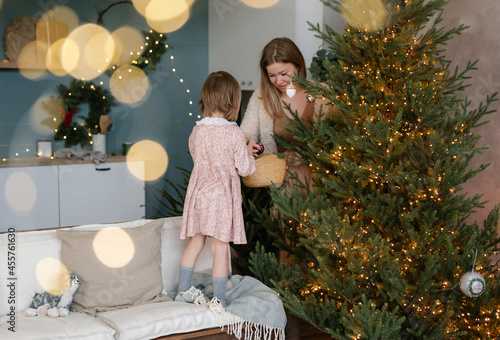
x=102, y=169
x=249, y=83
x=243, y=83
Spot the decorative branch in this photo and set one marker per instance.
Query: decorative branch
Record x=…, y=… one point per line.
x=101, y=13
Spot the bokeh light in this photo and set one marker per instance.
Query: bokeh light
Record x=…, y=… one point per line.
x=44, y=115
x=87, y=52
x=140, y=6
x=20, y=192
x=129, y=85
x=167, y=16
x=260, y=3
x=128, y=43
x=114, y=247
x=366, y=15
x=54, y=59
x=61, y=14
x=147, y=160
x=53, y=276
x=31, y=60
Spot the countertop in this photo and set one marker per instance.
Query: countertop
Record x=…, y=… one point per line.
x=43, y=161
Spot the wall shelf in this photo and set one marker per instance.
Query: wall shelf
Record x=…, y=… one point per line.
x=8, y=64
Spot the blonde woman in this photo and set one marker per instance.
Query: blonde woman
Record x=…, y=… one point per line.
x=266, y=115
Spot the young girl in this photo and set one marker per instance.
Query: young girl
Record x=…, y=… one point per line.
x=213, y=199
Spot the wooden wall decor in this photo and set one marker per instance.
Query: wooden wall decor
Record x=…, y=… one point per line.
x=20, y=32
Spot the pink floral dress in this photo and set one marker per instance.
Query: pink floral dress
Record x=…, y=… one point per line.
x=212, y=205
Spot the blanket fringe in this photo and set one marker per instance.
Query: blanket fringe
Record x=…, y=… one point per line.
x=234, y=323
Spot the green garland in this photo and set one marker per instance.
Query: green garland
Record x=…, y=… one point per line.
x=154, y=47
x=70, y=98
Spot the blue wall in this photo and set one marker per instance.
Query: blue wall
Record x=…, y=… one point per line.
x=164, y=118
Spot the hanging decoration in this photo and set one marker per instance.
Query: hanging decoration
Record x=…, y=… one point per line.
x=291, y=89
x=70, y=99
x=472, y=284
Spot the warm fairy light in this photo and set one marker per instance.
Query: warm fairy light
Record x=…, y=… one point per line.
x=20, y=191
x=52, y=275
x=167, y=15
x=260, y=3
x=88, y=49
x=130, y=85
x=147, y=160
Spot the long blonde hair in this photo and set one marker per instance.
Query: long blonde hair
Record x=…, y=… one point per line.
x=278, y=50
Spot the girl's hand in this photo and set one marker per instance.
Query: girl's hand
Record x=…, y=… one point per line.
x=251, y=145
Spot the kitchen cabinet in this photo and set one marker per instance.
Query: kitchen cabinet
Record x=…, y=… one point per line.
x=99, y=194
x=29, y=198
x=69, y=194
x=238, y=33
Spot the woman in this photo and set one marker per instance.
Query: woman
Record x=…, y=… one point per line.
x=266, y=114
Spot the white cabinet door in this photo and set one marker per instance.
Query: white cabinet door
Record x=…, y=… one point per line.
x=237, y=34
x=29, y=197
x=104, y=193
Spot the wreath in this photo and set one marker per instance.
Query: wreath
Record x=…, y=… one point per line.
x=79, y=92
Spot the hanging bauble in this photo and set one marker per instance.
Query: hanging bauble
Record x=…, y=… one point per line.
x=291, y=90
x=472, y=284
x=260, y=148
x=310, y=98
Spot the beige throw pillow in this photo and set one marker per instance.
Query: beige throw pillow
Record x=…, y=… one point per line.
x=118, y=268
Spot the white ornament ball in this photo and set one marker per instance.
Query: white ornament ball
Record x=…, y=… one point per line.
x=290, y=91
x=472, y=284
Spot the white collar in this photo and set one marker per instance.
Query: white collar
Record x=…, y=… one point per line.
x=215, y=121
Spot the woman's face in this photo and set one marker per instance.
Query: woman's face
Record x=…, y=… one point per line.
x=279, y=74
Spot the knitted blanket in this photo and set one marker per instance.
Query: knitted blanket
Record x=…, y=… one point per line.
x=253, y=310
x=96, y=156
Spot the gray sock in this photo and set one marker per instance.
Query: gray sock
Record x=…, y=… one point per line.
x=185, y=276
x=220, y=284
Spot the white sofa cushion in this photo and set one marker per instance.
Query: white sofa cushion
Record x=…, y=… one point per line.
x=30, y=249
x=75, y=326
x=158, y=319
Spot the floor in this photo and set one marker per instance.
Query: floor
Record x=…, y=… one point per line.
x=296, y=329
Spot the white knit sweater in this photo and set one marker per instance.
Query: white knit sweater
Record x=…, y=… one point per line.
x=258, y=124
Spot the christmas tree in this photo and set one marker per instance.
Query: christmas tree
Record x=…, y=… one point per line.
x=384, y=237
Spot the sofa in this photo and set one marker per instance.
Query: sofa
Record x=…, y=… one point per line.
x=127, y=292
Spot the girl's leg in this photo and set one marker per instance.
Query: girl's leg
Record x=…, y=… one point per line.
x=220, y=269
x=188, y=261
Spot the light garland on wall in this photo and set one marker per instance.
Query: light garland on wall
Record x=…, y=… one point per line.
x=181, y=80
x=147, y=61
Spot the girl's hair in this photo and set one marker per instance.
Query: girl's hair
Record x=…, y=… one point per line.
x=220, y=93
x=278, y=50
